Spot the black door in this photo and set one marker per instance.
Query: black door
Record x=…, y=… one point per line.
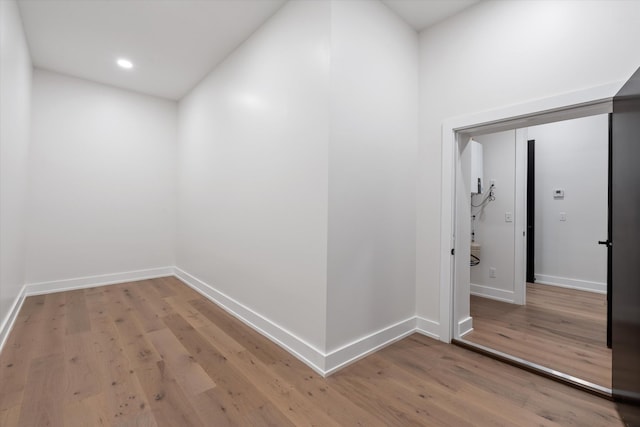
x=626, y=249
x=531, y=208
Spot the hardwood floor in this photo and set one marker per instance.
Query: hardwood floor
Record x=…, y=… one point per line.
x=562, y=329
x=155, y=353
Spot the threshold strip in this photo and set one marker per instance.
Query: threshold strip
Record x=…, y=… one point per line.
x=561, y=377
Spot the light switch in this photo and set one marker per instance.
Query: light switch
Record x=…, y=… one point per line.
x=508, y=217
x=563, y=216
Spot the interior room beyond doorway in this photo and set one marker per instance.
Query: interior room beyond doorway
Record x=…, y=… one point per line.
x=560, y=321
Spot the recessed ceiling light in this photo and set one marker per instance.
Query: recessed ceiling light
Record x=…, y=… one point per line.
x=124, y=63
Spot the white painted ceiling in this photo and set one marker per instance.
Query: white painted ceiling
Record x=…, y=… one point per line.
x=172, y=43
x=421, y=14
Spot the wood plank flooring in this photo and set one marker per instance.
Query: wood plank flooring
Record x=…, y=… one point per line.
x=155, y=353
x=562, y=329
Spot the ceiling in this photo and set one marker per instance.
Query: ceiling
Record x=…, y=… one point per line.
x=173, y=44
x=421, y=14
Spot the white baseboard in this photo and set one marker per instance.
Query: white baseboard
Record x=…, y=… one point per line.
x=10, y=318
x=465, y=326
x=304, y=351
x=358, y=349
x=323, y=363
x=564, y=282
x=493, y=293
x=428, y=327
x=93, y=281
x=361, y=348
x=72, y=284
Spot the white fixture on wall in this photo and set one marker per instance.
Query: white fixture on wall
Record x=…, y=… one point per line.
x=477, y=170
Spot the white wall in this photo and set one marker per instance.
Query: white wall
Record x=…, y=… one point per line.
x=499, y=53
x=15, y=105
x=297, y=172
x=372, y=167
x=102, y=180
x=496, y=236
x=253, y=171
x=571, y=155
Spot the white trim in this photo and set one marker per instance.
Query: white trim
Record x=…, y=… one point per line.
x=307, y=353
x=493, y=293
x=11, y=317
x=429, y=328
x=565, y=282
x=358, y=349
x=520, y=225
x=465, y=326
x=323, y=363
x=543, y=110
x=94, y=281
x=575, y=104
x=447, y=237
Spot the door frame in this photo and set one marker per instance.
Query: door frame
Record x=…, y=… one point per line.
x=531, y=210
x=582, y=103
x=520, y=226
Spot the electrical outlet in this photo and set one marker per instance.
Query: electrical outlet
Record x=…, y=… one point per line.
x=508, y=217
x=563, y=216
x=492, y=272
x=492, y=182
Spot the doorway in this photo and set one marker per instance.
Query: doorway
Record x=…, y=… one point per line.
x=561, y=324
x=455, y=318
x=625, y=203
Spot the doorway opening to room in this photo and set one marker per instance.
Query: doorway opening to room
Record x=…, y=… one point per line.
x=622, y=104
x=558, y=320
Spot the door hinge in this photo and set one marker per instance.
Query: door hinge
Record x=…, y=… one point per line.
x=453, y=251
